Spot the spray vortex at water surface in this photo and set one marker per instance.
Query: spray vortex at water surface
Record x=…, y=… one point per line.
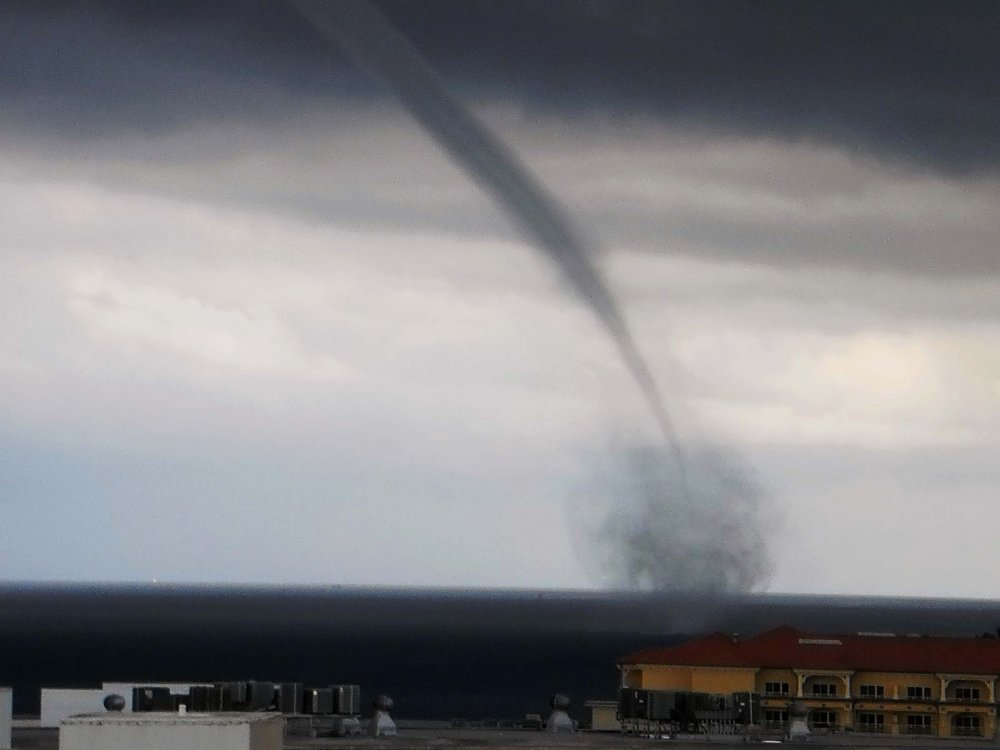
x=642, y=525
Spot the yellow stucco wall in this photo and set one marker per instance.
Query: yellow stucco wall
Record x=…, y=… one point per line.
x=697, y=679
x=839, y=680
x=844, y=717
x=723, y=680
x=895, y=683
x=633, y=678
x=893, y=705
x=987, y=721
x=765, y=676
x=666, y=678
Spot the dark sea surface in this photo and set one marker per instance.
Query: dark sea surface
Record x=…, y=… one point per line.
x=439, y=653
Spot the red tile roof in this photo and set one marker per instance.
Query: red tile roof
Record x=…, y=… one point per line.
x=788, y=648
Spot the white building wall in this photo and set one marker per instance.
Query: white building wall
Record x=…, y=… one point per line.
x=266, y=735
x=6, y=716
x=153, y=731
x=124, y=689
x=58, y=703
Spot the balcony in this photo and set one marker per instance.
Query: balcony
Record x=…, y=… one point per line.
x=966, y=732
x=827, y=725
x=870, y=728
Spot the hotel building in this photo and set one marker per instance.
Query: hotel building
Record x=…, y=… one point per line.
x=866, y=682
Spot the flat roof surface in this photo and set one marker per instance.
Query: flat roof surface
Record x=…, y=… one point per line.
x=150, y=717
x=48, y=739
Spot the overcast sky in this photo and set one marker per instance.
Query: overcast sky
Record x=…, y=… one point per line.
x=255, y=326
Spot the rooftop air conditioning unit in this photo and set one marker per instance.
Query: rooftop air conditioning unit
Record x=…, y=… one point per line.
x=347, y=699
x=290, y=698
x=318, y=701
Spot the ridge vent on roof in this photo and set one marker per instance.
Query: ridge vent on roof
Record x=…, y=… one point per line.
x=873, y=634
x=820, y=642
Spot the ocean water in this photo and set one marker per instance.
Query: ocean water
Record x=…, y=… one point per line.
x=437, y=662
x=440, y=654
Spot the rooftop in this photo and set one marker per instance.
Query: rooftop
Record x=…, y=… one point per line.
x=172, y=718
x=786, y=647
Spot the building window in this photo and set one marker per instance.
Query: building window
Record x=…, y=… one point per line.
x=823, y=719
x=824, y=688
x=970, y=695
x=776, y=688
x=918, y=693
x=918, y=724
x=775, y=719
x=966, y=725
x=871, y=722
x=872, y=691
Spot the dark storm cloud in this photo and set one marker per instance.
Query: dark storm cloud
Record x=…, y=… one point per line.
x=89, y=68
x=911, y=80
x=376, y=45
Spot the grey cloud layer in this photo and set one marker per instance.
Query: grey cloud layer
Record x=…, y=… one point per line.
x=168, y=343
x=875, y=122
x=912, y=80
x=801, y=199
x=641, y=188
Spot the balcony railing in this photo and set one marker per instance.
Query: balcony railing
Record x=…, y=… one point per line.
x=872, y=728
x=967, y=731
x=917, y=729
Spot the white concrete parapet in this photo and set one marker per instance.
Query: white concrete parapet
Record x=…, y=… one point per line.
x=60, y=703
x=169, y=731
x=6, y=716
